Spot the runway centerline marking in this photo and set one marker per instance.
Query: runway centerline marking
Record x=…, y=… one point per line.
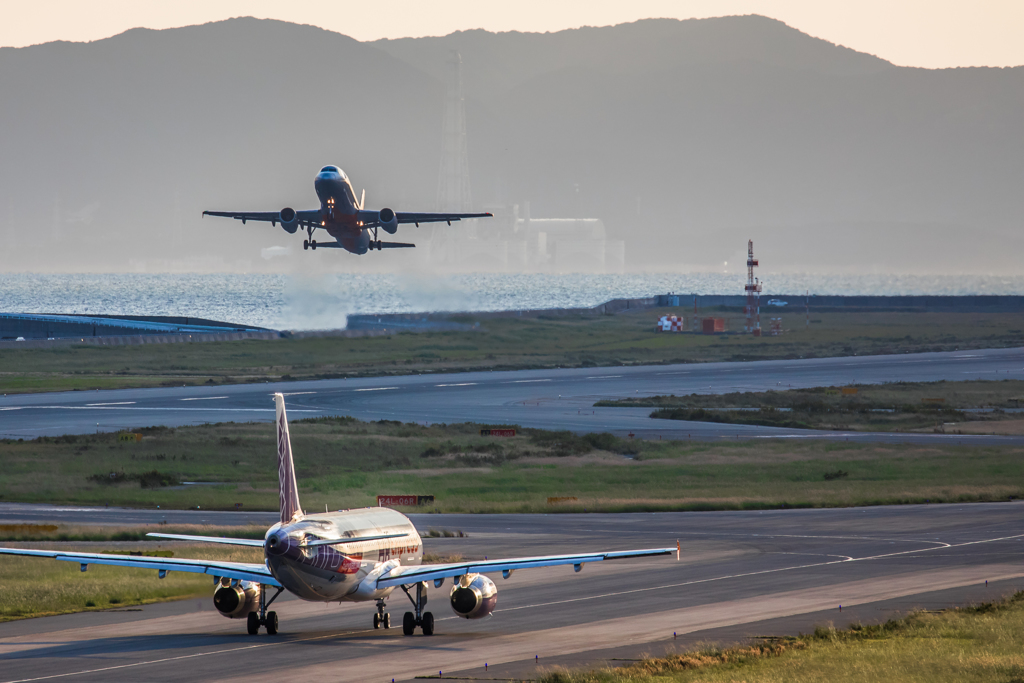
x=526, y=381
x=204, y=398
x=292, y=393
x=459, y=384
x=168, y=408
x=763, y=571
x=604, y=376
x=376, y=389
x=117, y=403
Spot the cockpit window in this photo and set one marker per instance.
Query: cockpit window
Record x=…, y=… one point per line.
x=325, y=169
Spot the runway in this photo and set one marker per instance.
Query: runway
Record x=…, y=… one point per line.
x=548, y=399
x=742, y=574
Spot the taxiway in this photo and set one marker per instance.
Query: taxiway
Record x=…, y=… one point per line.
x=561, y=398
x=742, y=574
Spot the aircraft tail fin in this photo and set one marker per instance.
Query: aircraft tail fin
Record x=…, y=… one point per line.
x=288, y=489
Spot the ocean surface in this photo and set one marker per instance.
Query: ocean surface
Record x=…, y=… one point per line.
x=324, y=302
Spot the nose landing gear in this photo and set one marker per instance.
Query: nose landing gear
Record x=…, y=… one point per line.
x=381, y=619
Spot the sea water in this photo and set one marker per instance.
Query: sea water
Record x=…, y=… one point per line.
x=324, y=302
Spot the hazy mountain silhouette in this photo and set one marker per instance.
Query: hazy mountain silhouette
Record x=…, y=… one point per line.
x=685, y=137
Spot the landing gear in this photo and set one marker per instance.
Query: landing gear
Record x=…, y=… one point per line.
x=263, y=617
x=425, y=620
x=305, y=244
x=381, y=619
x=312, y=245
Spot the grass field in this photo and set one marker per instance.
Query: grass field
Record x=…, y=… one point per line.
x=975, y=407
x=34, y=587
x=342, y=463
x=498, y=343
x=977, y=643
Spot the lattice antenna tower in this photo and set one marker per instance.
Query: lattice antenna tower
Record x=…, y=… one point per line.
x=753, y=290
x=453, y=192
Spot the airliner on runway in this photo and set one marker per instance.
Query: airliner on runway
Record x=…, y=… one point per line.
x=349, y=555
x=345, y=219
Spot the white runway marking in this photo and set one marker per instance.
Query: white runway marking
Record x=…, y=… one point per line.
x=376, y=389
x=604, y=376
x=118, y=403
x=526, y=381
x=763, y=571
x=294, y=393
x=460, y=384
x=203, y=398
x=169, y=409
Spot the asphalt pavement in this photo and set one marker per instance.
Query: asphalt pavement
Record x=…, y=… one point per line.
x=558, y=399
x=741, y=575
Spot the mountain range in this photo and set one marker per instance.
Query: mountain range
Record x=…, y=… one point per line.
x=685, y=137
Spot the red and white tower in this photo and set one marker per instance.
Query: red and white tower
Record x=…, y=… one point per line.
x=753, y=288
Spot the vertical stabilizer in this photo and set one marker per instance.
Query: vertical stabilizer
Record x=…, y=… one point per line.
x=289, y=490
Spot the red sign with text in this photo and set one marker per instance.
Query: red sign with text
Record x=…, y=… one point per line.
x=497, y=432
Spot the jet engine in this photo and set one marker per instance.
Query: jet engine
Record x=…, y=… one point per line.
x=235, y=599
x=474, y=596
x=388, y=221
x=289, y=221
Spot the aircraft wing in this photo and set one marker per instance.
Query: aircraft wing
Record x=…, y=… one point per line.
x=310, y=216
x=234, y=570
x=418, y=218
x=400, y=575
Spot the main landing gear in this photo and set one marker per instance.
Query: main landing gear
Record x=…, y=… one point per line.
x=381, y=619
x=309, y=244
x=424, y=620
x=263, y=617
x=374, y=244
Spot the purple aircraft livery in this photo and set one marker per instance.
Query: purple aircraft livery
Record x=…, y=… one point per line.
x=350, y=555
x=345, y=219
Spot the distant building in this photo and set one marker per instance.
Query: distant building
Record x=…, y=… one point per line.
x=514, y=241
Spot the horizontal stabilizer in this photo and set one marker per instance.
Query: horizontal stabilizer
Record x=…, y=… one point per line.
x=327, y=245
x=351, y=539
x=252, y=542
x=394, y=245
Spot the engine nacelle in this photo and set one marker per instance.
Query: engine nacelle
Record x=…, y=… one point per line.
x=236, y=599
x=474, y=596
x=289, y=220
x=388, y=221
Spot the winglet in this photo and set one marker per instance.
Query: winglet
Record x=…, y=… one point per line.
x=288, y=489
x=679, y=549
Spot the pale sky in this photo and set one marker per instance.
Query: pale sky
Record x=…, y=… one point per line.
x=925, y=33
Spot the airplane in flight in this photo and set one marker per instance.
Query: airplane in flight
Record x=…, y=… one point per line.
x=348, y=221
x=348, y=555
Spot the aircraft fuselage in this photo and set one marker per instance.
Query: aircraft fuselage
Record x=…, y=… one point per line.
x=338, y=208
x=323, y=573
